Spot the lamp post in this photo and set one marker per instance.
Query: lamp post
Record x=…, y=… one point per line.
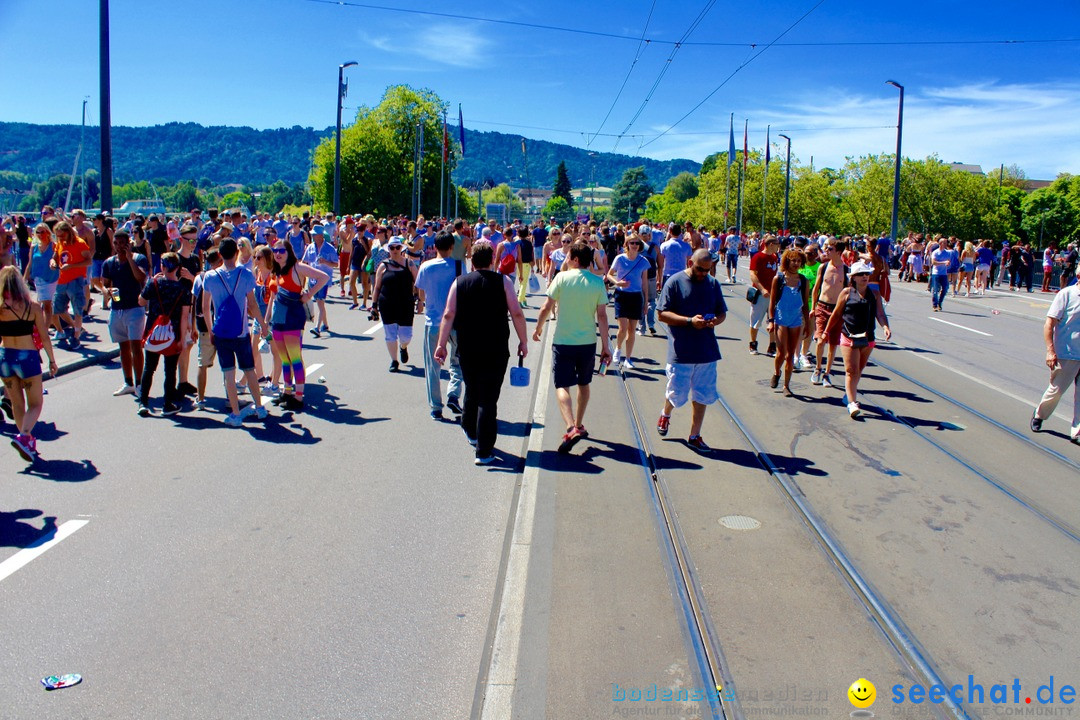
x=341, y=90
x=896, y=178
x=787, y=182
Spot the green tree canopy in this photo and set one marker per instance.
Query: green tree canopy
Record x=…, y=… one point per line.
x=377, y=159
x=562, y=184
x=630, y=194
x=558, y=208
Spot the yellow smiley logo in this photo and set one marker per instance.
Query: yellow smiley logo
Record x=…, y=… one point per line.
x=862, y=693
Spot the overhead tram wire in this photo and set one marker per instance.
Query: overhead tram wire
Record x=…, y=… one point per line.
x=667, y=66
x=642, y=44
x=700, y=43
x=734, y=72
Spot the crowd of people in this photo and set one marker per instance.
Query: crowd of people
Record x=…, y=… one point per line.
x=241, y=291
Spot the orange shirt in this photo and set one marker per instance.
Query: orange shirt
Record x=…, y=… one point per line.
x=74, y=252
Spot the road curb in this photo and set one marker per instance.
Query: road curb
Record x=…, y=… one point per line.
x=95, y=359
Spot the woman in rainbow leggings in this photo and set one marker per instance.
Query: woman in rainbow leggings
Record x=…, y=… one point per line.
x=287, y=318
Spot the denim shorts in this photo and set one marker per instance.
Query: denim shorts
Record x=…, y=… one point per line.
x=22, y=364
x=46, y=291
x=127, y=325
x=95, y=268
x=73, y=292
x=235, y=351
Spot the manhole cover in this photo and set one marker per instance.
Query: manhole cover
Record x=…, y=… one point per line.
x=740, y=522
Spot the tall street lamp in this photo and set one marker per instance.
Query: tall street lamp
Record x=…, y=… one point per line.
x=787, y=182
x=896, y=178
x=341, y=89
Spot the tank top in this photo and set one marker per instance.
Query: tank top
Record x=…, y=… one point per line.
x=480, y=321
x=289, y=282
x=20, y=326
x=789, y=306
x=396, y=293
x=860, y=314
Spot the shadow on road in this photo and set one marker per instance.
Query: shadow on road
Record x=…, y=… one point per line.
x=62, y=470
x=14, y=533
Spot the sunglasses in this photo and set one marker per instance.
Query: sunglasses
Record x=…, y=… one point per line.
x=565, y=242
x=281, y=251
x=634, y=244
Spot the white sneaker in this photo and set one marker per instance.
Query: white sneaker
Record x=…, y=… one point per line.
x=826, y=381
x=627, y=365
x=617, y=357
x=800, y=363
x=853, y=409
x=124, y=390
x=815, y=378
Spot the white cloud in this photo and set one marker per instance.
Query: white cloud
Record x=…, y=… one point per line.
x=1030, y=125
x=462, y=45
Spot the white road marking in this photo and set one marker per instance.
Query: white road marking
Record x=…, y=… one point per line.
x=502, y=670
x=310, y=369
x=24, y=556
x=980, y=332
x=373, y=329
x=1026, y=401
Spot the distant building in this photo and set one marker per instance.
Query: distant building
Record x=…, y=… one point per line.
x=963, y=167
x=1033, y=185
x=592, y=196
x=534, y=199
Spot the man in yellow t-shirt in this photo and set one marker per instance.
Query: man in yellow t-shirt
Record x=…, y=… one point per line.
x=582, y=301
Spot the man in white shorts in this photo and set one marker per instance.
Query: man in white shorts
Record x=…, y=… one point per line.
x=691, y=305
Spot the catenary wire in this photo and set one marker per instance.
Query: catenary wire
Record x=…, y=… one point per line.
x=667, y=66
x=734, y=72
x=701, y=43
x=637, y=56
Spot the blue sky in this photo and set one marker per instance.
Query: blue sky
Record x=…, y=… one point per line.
x=273, y=63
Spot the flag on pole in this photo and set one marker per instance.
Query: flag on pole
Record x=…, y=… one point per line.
x=745, y=144
x=445, y=141
x=768, y=154
x=731, y=141
x=461, y=129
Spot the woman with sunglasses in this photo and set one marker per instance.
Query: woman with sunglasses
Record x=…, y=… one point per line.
x=288, y=316
x=394, y=282
x=41, y=271
x=297, y=237
x=560, y=256
x=856, y=314
x=629, y=275
x=553, y=243
x=788, y=315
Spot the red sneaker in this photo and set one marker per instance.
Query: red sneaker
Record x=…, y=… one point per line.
x=698, y=445
x=571, y=438
x=662, y=425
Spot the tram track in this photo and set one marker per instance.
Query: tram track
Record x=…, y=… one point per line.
x=899, y=639
x=1010, y=490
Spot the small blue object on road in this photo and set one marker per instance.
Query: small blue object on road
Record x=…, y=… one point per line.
x=56, y=682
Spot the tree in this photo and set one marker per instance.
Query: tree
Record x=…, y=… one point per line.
x=183, y=197
x=377, y=160
x=630, y=194
x=562, y=184
x=502, y=194
x=558, y=208
x=682, y=187
x=1049, y=217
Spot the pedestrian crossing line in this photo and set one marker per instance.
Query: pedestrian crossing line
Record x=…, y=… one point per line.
x=962, y=327
x=373, y=329
x=24, y=556
x=308, y=372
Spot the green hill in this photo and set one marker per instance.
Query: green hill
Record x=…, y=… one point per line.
x=189, y=151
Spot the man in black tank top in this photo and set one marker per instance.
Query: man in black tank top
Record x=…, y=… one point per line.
x=476, y=308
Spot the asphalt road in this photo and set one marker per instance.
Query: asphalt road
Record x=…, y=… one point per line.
x=352, y=562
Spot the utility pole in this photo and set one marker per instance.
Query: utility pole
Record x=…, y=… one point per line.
x=82, y=134
x=106, y=112
x=787, y=183
x=442, y=169
x=896, y=179
x=765, y=180
x=342, y=90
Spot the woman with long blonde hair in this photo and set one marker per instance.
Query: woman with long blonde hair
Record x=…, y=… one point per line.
x=22, y=329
